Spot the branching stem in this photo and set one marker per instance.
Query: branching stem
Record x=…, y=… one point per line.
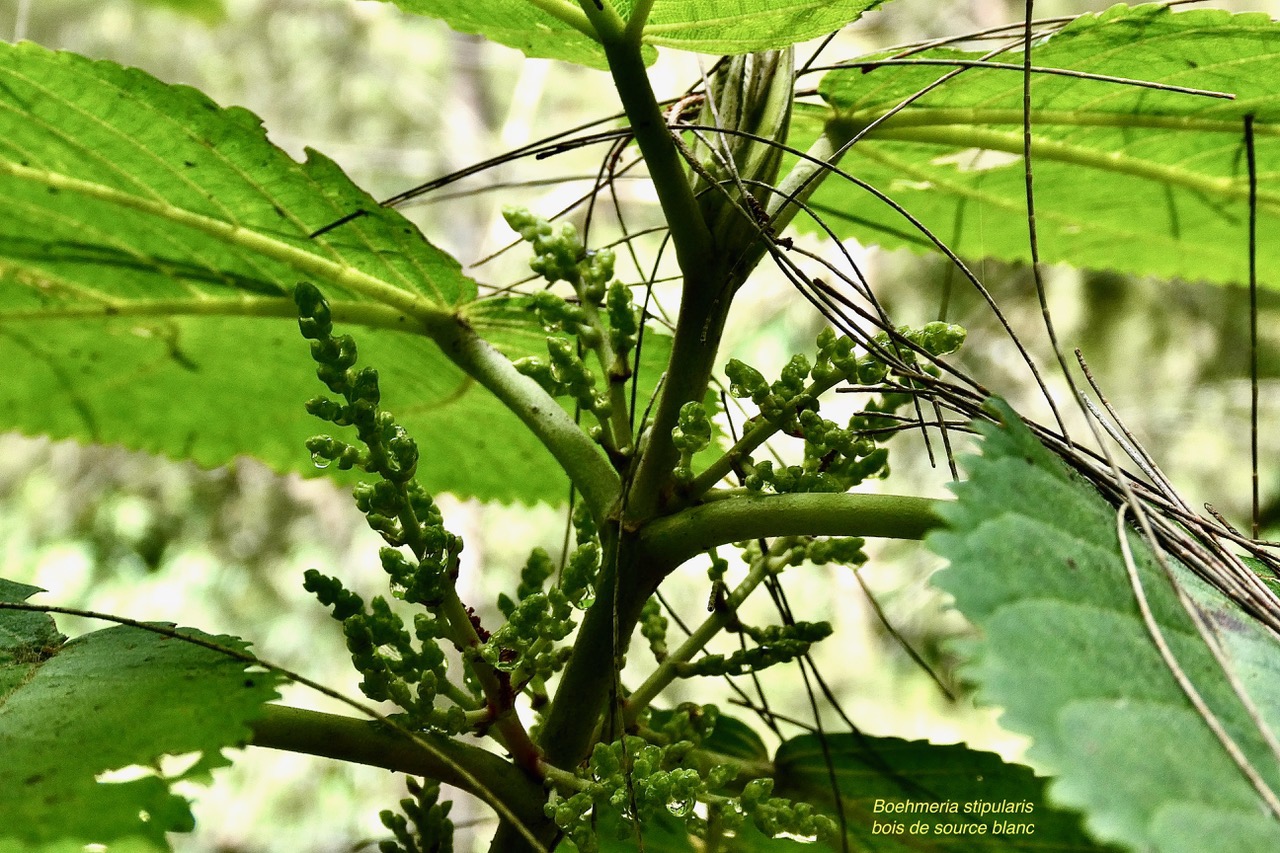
x=670, y=541
x=758, y=434
x=365, y=742
x=586, y=466
x=761, y=568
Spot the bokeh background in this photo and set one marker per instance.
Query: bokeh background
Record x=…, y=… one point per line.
x=397, y=100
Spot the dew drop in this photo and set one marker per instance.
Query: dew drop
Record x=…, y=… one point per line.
x=320, y=461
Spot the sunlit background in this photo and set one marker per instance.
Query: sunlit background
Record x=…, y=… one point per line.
x=398, y=100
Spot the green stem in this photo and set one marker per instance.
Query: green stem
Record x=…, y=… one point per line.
x=606, y=24
x=699, y=326
x=582, y=695
x=760, y=432
x=639, y=17
x=566, y=12
x=577, y=454
x=497, y=689
x=658, y=680
x=618, y=426
x=488, y=776
x=462, y=698
x=667, y=542
x=803, y=180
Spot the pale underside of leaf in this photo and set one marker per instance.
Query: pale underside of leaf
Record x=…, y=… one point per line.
x=1126, y=177
x=1036, y=566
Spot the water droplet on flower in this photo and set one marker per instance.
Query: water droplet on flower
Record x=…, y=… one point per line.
x=320, y=461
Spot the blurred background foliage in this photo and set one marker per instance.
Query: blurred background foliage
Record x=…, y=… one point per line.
x=398, y=100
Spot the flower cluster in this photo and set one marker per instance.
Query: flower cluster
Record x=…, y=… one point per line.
x=774, y=644
x=601, y=323
x=407, y=667
x=665, y=775
x=836, y=457
x=423, y=826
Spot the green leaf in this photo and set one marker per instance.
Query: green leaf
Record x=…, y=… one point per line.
x=661, y=835
x=900, y=795
x=119, y=699
x=149, y=248
x=550, y=29
x=745, y=26
x=206, y=11
x=127, y=845
x=1036, y=566
x=26, y=637
x=734, y=738
x=1126, y=178
x=558, y=29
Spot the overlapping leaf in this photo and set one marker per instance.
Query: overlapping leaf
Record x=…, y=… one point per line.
x=1126, y=178
x=558, y=29
x=742, y=26
x=207, y=11
x=1036, y=566
x=118, y=698
x=148, y=249
x=955, y=798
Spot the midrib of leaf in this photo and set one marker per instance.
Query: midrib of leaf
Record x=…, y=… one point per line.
x=233, y=234
x=953, y=132
x=969, y=116
x=1063, y=153
x=107, y=238
x=369, y=315
x=159, y=164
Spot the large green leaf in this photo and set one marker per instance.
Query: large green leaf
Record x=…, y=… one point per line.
x=743, y=26
x=1126, y=178
x=1036, y=566
x=148, y=251
x=207, y=11
x=900, y=795
x=558, y=29
x=117, y=699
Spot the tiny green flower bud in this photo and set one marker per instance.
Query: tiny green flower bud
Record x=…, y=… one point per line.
x=745, y=380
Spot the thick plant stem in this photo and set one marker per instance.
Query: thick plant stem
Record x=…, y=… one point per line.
x=698, y=329
x=582, y=697
x=693, y=352
x=689, y=234
x=364, y=742
x=668, y=542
